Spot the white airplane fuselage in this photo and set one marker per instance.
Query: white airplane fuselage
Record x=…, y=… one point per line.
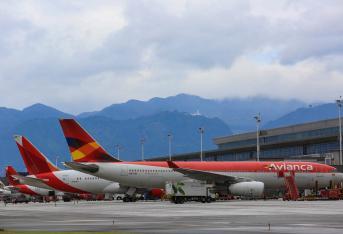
x=29, y=190
x=143, y=176
x=72, y=181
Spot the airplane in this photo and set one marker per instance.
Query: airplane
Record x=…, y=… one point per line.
x=43, y=173
x=237, y=178
x=12, y=194
x=17, y=186
x=4, y=190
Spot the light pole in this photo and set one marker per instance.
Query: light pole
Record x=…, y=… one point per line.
x=142, y=147
x=339, y=105
x=118, y=147
x=56, y=161
x=170, y=136
x=201, y=131
x=258, y=121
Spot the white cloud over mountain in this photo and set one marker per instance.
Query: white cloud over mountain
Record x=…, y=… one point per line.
x=83, y=55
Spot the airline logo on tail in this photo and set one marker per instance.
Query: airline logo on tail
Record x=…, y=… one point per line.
x=82, y=147
x=84, y=150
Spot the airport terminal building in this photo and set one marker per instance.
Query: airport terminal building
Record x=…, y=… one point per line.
x=314, y=141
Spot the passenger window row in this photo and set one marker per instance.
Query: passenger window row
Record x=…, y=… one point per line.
x=147, y=171
x=88, y=178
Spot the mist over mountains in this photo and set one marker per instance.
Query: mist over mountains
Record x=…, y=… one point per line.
x=126, y=123
x=237, y=113
x=306, y=114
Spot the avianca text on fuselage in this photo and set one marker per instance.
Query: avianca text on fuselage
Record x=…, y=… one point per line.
x=290, y=167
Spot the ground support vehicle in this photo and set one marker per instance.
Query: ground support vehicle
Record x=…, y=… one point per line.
x=189, y=190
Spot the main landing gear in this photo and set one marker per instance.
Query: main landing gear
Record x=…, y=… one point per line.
x=129, y=199
x=130, y=195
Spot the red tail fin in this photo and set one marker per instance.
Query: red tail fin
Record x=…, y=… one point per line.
x=10, y=171
x=82, y=147
x=34, y=160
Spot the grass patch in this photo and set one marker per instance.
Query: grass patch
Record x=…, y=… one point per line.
x=43, y=232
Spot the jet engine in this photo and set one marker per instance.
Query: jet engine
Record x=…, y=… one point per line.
x=112, y=188
x=249, y=188
x=5, y=192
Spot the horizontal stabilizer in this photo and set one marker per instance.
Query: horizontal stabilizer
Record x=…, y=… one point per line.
x=11, y=188
x=31, y=181
x=87, y=168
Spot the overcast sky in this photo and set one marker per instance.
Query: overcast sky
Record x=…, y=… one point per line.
x=84, y=55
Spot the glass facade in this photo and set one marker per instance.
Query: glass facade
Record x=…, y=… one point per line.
x=282, y=152
x=236, y=156
x=238, y=144
x=300, y=135
x=321, y=148
x=319, y=139
x=297, y=149
x=282, y=138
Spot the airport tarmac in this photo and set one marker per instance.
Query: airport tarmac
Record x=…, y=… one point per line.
x=164, y=217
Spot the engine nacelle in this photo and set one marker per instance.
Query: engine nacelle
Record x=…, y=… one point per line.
x=5, y=192
x=249, y=188
x=112, y=188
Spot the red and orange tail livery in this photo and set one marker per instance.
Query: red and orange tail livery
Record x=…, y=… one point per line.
x=34, y=160
x=10, y=171
x=82, y=146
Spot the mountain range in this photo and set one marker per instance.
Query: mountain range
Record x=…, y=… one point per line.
x=40, y=124
x=237, y=113
x=306, y=114
x=126, y=123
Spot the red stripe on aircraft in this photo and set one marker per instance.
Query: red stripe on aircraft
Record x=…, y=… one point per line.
x=53, y=181
x=23, y=188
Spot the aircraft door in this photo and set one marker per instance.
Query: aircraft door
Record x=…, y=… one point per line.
x=65, y=179
x=124, y=170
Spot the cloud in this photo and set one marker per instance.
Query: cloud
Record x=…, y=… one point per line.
x=83, y=55
x=310, y=80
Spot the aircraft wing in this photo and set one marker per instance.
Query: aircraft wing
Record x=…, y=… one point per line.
x=207, y=176
x=31, y=181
